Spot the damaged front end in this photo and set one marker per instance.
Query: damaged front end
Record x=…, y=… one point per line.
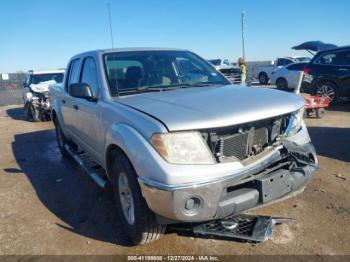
x=276, y=160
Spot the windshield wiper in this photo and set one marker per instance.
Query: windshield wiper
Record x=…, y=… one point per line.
x=161, y=88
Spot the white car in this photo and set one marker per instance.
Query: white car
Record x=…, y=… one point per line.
x=261, y=70
x=287, y=77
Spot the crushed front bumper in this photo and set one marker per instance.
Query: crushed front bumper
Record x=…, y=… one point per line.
x=274, y=180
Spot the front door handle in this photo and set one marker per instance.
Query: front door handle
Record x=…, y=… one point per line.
x=76, y=107
x=343, y=69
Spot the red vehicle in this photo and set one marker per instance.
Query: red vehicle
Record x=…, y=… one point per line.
x=316, y=105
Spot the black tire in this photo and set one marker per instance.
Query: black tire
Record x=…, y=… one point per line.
x=144, y=228
x=27, y=112
x=263, y=78
x=320, y=112
x=34, y=113
x=326, y=88
x=282, y=84
x=61, y=139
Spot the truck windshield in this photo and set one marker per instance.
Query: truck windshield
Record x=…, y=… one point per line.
x=215, y=62
x=138, y=71
x=39, y=78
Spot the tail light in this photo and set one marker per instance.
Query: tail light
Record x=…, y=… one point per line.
x=306, y=70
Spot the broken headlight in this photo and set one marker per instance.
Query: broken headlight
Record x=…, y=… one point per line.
x=295, y=123
x=182, y=148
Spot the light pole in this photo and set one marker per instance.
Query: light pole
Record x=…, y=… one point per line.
x=110, y=23
x=243, y=25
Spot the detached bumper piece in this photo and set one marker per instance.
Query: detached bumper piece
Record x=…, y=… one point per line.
x=242, y=227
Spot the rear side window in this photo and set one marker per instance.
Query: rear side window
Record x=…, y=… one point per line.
x=73, y=72
x=283, y=62
x=337, y=58
x=89, y=74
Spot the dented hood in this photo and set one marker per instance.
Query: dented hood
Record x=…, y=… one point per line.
x=214, y=106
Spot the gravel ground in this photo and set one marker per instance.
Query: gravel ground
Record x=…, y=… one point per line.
x=49, y=206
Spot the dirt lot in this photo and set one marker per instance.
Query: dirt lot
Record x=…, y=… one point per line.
x=50, y=206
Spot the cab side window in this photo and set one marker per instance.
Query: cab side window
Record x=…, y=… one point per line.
x=73, y=72
x=89, y=75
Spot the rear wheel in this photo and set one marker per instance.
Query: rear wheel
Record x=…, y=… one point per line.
x=61, y=139
x=282, y=84
x=139, y=222
x=263, y=78
x=327, y=89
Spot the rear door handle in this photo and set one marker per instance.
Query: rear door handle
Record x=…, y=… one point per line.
x=76, y=107
x=63, y=101
x=343, y=69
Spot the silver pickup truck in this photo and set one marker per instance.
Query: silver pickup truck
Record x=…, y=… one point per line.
x=177, y=141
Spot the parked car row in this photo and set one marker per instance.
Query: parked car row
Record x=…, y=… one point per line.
x=262, y=70
x=327, y=74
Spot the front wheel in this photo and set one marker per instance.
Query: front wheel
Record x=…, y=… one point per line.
x=263, y=78
x=139, y=222
x=31, y=112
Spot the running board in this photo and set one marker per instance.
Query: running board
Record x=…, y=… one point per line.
x=90, y=171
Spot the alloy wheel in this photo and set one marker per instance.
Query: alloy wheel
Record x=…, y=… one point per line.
x=326, y=90
x=126, y=199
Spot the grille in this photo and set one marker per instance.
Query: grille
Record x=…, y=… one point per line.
x=234, y=76
x=234, y=146
x=239, y=142
x=260, y=137
x=238, y=145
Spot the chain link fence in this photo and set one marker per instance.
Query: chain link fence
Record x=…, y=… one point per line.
x=11, y=88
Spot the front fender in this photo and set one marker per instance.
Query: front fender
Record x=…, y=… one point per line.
x=140, y=152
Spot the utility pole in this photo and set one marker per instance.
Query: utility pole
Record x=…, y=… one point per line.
x=243, y=26
x=110, y=23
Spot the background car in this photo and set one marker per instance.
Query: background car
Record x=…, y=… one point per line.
x=261, y=70
x=230, y=70
x=328, y=74
x=287, y=77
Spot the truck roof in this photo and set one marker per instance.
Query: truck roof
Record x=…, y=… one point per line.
x=113, y=50
x=42, y=72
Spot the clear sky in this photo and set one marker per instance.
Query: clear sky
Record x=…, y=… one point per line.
x=43, y=34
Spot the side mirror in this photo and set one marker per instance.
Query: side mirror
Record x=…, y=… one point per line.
x=81, y=90
x=24, y=84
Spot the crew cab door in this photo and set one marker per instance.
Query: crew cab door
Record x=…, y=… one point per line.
x=86, y=116
x=67, y=101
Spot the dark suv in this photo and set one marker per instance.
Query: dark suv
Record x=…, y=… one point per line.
x=328, y=73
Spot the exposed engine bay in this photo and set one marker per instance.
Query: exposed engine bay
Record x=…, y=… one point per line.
x=241, y=142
